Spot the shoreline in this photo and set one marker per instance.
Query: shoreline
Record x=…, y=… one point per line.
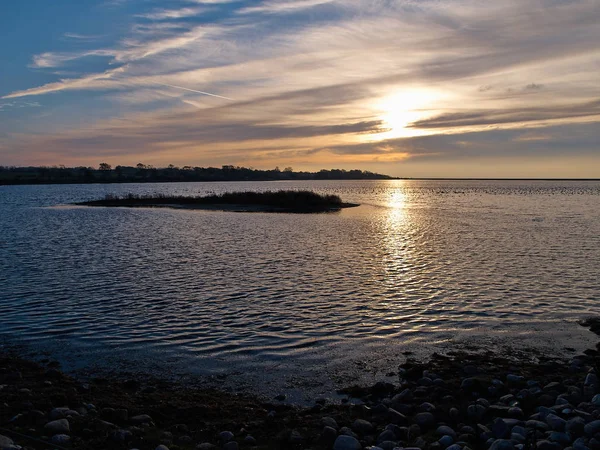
x=467, y=399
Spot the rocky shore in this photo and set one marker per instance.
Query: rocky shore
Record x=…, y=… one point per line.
x=462, y=400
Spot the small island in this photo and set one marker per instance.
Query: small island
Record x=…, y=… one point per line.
x=248, y=201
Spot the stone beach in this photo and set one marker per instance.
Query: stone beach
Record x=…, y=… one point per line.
x=467, y=399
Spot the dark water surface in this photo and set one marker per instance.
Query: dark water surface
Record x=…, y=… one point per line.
x=298, y=303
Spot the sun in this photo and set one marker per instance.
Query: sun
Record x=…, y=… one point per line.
x=400, y=109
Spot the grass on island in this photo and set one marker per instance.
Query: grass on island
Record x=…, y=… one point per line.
x=278, y=201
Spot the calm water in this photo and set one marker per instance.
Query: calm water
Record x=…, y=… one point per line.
x=298, y=303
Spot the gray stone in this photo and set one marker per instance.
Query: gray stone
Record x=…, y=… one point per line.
x=388, y=445
x=231, y=445
x=60, y=439
x=579, y=444
x=537, y=425
x=519, y=430
x=425, y=419
x=596, y=400
x=547, y=445
x=426, y=407
x=555, y=422
x=121, y=435
x=140, y=419
x=404, y=396
x=592, y=428
x=362, y=426
x=348, y=432
x=328, y=434
x=476, y=412
x=516, y=412
x=499, y=429
x=206, y=446
x=329, y=422
x=225, y=436
x=502, y=444
x=517, y=437
x=396, y=417
x=446, y=441
x=454, y=413
x=575, y=426
x=386, y=435
x=512, y=378
x=346, y=443
x=562, y=438
x=468, y=383
x=424, y=381
x=251, y=441
x=454, y=447
x=591, y=380
x=443, y=430
x=483, y=402
x=60, y=426
x=162, y=447
x=5, y=442
x=184, y=440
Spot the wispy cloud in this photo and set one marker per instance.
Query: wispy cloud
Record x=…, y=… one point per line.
x=264, y=73
x=164, y=14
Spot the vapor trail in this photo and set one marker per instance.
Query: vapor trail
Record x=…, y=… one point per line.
x=193, y=90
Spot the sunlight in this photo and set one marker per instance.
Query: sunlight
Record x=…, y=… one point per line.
x=397, y=200
x=400, y=109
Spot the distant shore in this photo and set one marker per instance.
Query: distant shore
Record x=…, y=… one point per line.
x=142, y=173
x=462, y=400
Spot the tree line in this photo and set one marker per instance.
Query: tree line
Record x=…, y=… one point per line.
x=105, y=173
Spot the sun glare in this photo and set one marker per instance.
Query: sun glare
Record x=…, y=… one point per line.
x=400, y=109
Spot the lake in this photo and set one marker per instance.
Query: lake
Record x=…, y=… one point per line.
x=294, y=303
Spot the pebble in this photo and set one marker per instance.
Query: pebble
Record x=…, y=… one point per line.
x=225, y=436
x=592, y=428
x=446, y=441
x=555, y=422
x=5, y=441
x=346, y=443
x=231, y=445
x=142, y=418
x=386, y=435
x=60, y=426
x=446, y=430
x=362, y=426
x=547, y=445
x=500, y=429
x=329, y=422
x=502, y=444
x=476, y=412
x=162, y=447
x=575, y=426
x=61, y=439
x=328, y=434
x=425, y=419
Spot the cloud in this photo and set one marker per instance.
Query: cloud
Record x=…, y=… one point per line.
x=500, y=117
x=301, y=69
x=283, y=7
x=164, y=14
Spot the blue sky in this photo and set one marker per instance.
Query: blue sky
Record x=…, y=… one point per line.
x=407, y=87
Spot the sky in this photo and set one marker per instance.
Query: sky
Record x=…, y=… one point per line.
x=410, y=88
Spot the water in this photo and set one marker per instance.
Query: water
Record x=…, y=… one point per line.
x=298, y=303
